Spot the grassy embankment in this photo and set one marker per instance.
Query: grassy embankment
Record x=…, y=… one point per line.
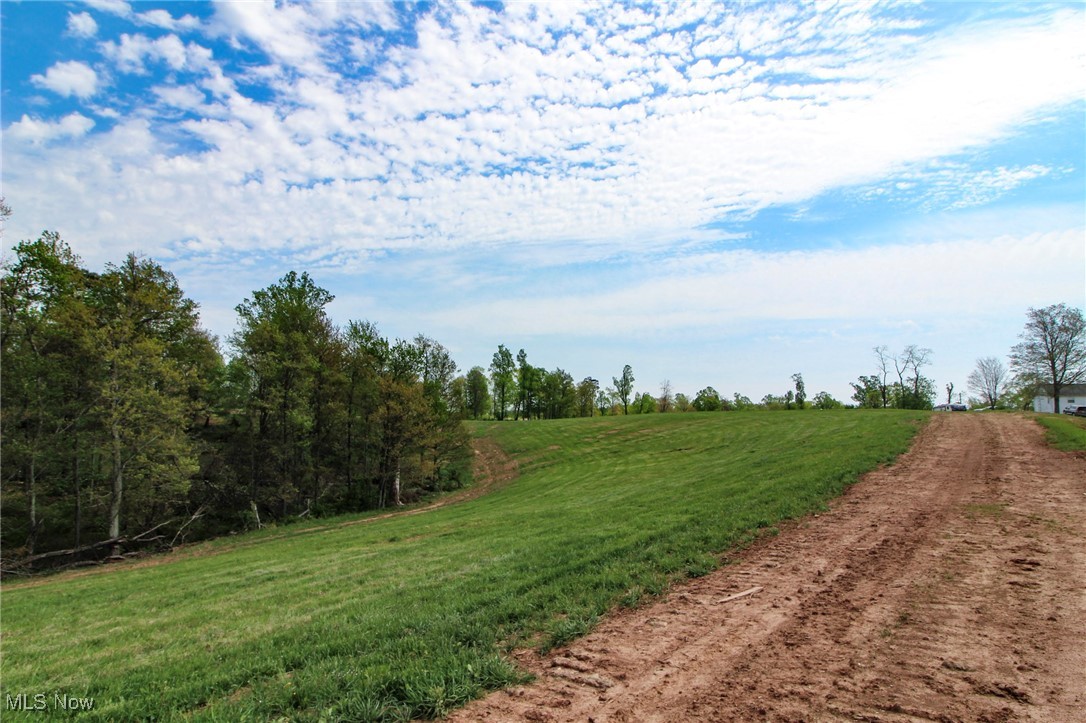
x=1064, y=431
x=410, y=615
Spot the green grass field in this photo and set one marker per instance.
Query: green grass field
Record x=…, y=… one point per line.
x=410, y=616
x=1063, y=431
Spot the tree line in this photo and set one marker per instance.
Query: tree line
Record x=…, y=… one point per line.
x=1049, y=358
x=513, y=389
x=122, y=417
x=123, y=423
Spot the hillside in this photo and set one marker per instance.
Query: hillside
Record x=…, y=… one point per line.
x=950, y=586
x=413, y=614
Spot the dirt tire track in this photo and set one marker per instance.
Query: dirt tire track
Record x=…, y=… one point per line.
x=949, y=587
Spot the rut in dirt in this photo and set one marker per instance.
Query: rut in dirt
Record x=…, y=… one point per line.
x=949, y=587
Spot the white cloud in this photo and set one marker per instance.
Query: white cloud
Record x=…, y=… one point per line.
x=69, y=78
x=37, y=132
x=114, y=7
x=133, y=51
x=82, y=25
x=163, y=19
x=723, y=292
x=536, y=126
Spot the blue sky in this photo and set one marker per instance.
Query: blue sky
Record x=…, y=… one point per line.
x=714, y=194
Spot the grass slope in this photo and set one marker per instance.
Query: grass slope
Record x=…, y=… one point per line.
x=409, y=616
x=1064, y=432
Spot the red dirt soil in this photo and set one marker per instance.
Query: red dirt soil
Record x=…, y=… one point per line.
x=948, y=587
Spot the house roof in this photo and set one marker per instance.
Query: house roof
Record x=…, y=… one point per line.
x=1067, y=390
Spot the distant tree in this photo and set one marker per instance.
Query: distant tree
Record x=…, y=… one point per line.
x=949, y=392
x=502, y=372
x=707, y=400
x=741, y=401
x=478, y=393
x=682, y=403
x=789, y=397
x=801, y=390
x=557, y=394
x=605, y=401
x=868, y=391
x=528, y=380
x=587, y=391
x=665, y=401
x=437, y=371
x=1053, y=349
x=5, y=214
x=914, y=390
x=824, y=400
x=624, y=387
x=882, y=359
x=772, y=401
x=988, y=380
x=644, y=403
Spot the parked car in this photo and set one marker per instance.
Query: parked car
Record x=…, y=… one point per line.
x=1071, y=408
x=1079, y=412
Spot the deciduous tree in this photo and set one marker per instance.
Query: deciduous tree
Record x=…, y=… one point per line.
x=478, y=393
x=587, y=392
x=801, y=390
x=666, y=400
x=624, y=387
x=1053, y=348
x=707, y=400
x=502, y=372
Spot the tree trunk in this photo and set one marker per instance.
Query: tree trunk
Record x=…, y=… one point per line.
x=32, y=505
x=78, y=497
x=396, y=486
x=118, y=491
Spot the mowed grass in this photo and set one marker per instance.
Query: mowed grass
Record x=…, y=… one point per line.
x=412, y=615
x=1063, y=431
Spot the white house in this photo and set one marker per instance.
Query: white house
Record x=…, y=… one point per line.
x=1074, y=394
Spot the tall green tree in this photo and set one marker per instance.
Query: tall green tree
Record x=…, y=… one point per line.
x=587, y=391
x=283, y=332
x=478, y=392
x=1053, y=349
x=44, y=321
x=801, y=390
x=868, y=391
x=557, y=394
x=624, y=387
x=707, y=400
x=529, y=379
x=153, y=354
x=502, y=372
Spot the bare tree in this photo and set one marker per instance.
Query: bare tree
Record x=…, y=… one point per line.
x=987, y=380
x=911, y=358
x=665, y=401
x=1053, y=349
x=882, y=355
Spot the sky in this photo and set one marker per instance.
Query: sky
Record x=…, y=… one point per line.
x=717, y=194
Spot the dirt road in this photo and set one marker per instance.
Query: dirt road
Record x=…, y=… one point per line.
x=950, y=587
